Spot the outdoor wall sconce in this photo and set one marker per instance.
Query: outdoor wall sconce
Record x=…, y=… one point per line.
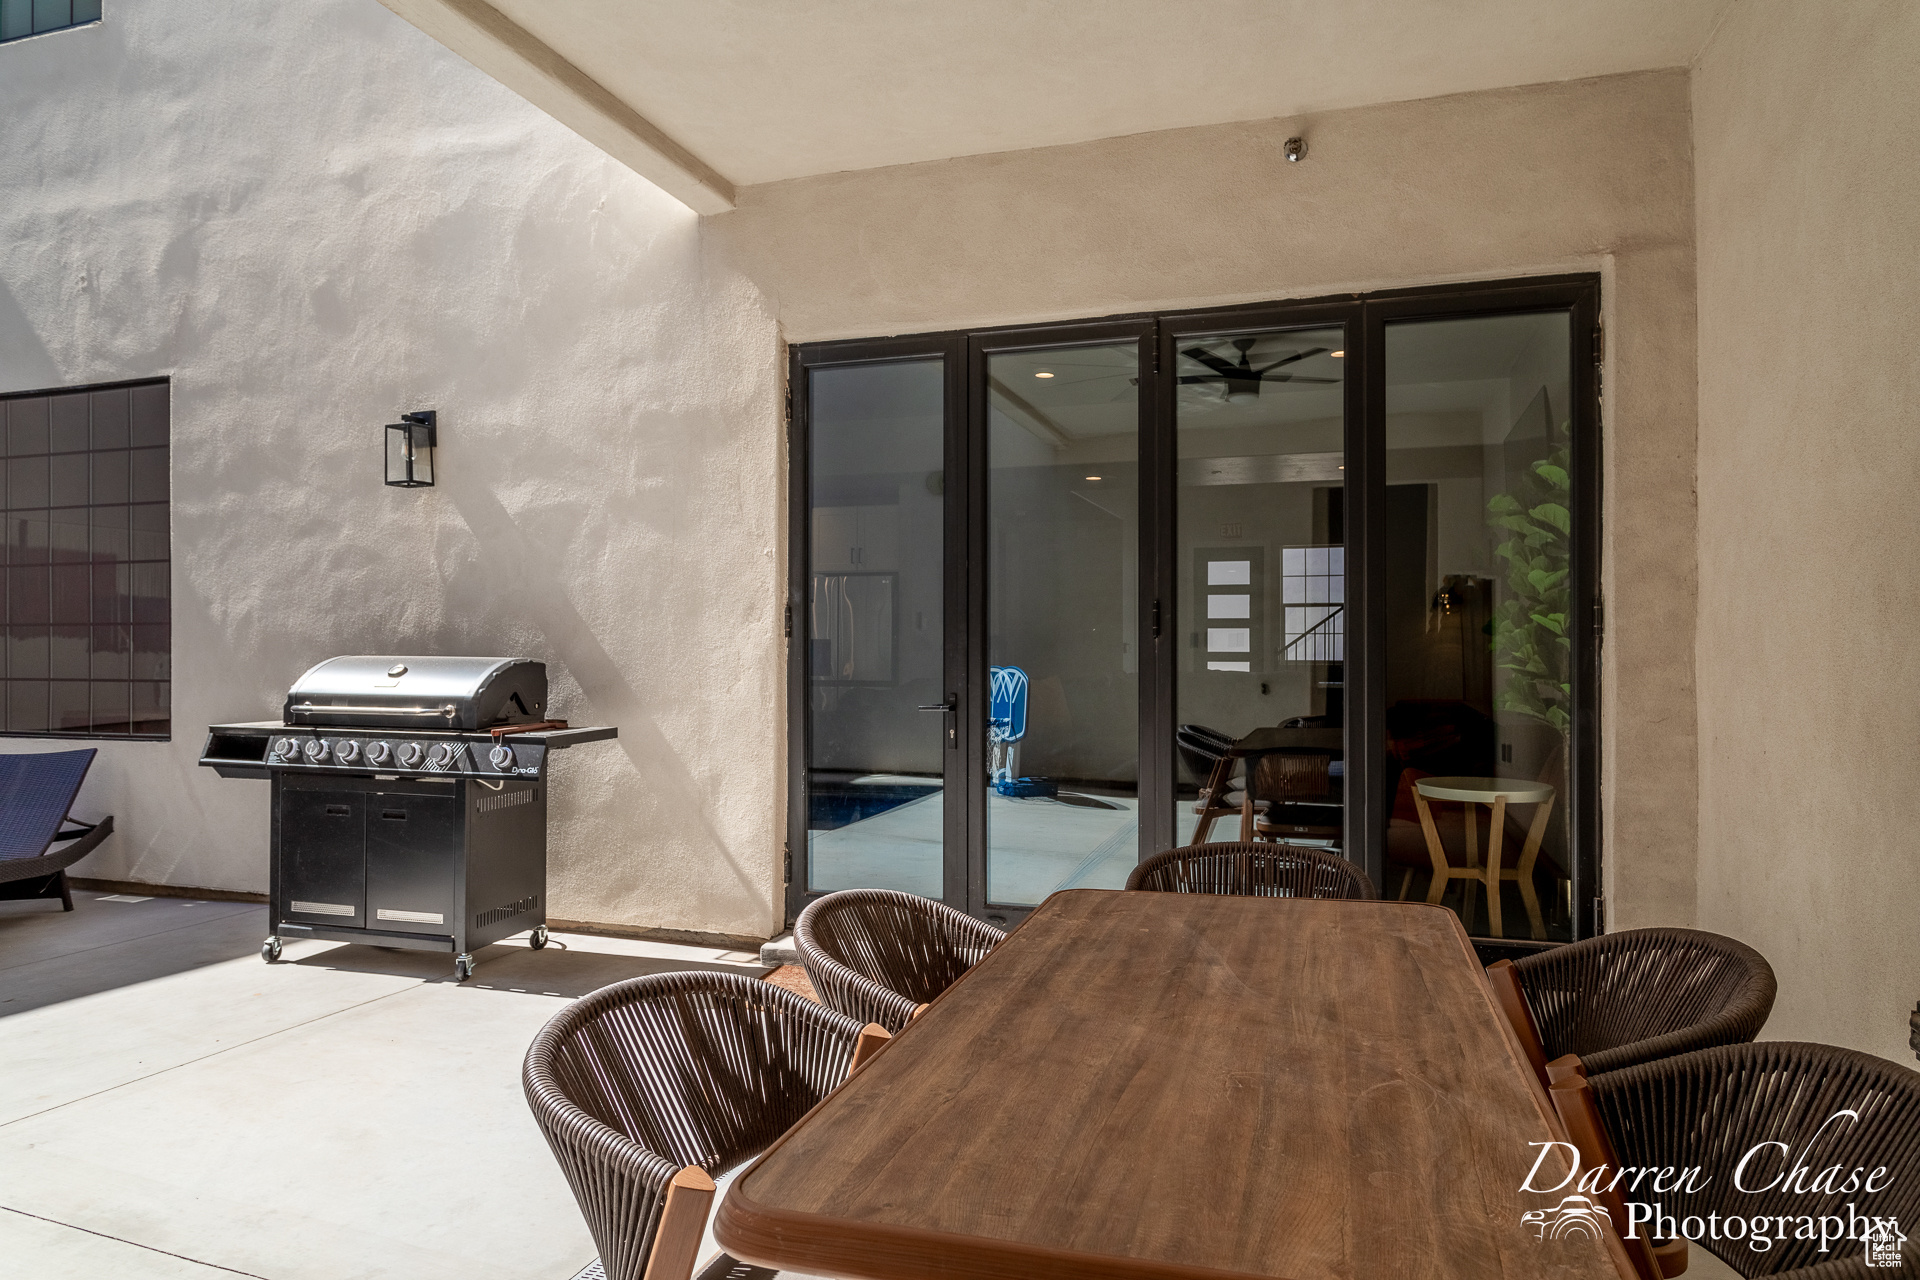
x=1295, y=150
x=410, y=444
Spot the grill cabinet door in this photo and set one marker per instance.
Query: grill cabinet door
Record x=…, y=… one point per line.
x=323, y=857
x=415, y=851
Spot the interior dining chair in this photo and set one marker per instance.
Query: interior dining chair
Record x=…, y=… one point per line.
x=648, y=1088
x=1709, y=1109
x=1255, y=870
x=878, y=955
x=1290, y=792
x=1204, y=752
x=1626, y=998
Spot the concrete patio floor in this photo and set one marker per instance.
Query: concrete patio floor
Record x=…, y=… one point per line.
x=170, y=1106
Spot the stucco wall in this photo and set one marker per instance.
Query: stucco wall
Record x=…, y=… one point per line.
x=1807, y=122
x=313, y=217
x=1590, y=175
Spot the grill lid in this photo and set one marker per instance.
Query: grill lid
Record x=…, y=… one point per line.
x=387, y=692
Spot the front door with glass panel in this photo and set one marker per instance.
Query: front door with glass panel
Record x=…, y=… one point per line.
x=1316, y=574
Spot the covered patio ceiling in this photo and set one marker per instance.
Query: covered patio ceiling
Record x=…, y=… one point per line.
x=705, y=98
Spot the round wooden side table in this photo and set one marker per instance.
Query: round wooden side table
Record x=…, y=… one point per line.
x=1497, y=794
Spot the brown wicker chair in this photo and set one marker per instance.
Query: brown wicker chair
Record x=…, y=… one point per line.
x=1626, y=998
x=877, y=955
x=647, y=1088
x=1708, y=1109
x=1256, y=870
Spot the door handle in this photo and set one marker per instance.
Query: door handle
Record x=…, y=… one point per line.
x=952, y=707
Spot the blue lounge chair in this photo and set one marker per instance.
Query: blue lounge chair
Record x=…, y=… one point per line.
x=35, y=793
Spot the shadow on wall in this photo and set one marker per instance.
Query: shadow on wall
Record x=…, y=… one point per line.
x=25, y=364
x=533, y=576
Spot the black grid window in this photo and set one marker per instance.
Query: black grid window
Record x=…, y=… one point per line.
x=22, y=18
x=88, y=610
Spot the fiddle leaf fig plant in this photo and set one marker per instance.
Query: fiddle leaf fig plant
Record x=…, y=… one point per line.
x=1530, y=641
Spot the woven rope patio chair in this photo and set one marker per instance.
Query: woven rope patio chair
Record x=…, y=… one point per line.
x=1709, y=1109
x=877, y=955
x=1626, y=998
x=36, y=790
x=1255, y=870
x=647, y=1088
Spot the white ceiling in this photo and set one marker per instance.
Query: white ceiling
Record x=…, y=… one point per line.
x=762, y=90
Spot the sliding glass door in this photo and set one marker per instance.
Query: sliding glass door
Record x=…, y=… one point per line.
x=1475, y=540
x=1062, y=526
x=1316, y=573
x=1259, y=602
x=877, y=731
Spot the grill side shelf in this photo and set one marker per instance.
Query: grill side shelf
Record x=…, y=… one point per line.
x=559, y=738
x=235, y=751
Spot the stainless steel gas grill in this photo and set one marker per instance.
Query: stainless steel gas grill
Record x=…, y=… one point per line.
x=409, y=801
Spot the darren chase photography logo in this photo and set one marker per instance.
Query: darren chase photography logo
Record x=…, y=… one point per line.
x=1772, y=1169
x=1574, y=1216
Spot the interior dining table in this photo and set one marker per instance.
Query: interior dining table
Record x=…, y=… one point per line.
x=1177, y=1085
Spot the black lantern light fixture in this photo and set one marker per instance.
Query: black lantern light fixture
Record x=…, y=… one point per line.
x=410, y=444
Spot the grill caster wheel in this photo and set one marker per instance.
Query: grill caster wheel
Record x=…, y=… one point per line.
x=270, y=950
x=539, y=938
x=462, y=968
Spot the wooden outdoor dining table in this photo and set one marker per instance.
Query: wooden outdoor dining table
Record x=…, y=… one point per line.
x=1181, y=1085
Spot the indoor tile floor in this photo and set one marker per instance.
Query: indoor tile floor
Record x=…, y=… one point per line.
x=170, y=1106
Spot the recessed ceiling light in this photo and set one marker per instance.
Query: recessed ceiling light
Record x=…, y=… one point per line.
x=1343, y=466
x=1043, y=374
x=1093, y=477
x=1338, y=354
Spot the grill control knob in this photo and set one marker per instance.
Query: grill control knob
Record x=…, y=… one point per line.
x=501, y=757
x=347, y=752
x=410, y=754
x=442, y=752
x=287, y=748
x=376, y=753
x=317, y=750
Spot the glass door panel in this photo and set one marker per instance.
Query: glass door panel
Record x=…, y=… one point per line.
x=1063, y=537
x=874, y=627
x=1260, y=429
x=1475, y=546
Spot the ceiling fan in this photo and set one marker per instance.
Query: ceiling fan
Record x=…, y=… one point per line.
x=1241, y=382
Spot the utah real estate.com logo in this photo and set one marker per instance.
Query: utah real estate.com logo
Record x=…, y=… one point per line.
x=1580, y=1215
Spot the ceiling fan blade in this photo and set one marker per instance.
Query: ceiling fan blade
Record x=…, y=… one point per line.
x=1298, y=377
x=1297, y=356
x=1212, y=361
x=1202, y=377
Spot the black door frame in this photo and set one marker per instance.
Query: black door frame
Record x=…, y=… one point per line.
x=1580, y=296
x=1362, y=467
x=980, y=346
x=1365, y=317
x=957, y=677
